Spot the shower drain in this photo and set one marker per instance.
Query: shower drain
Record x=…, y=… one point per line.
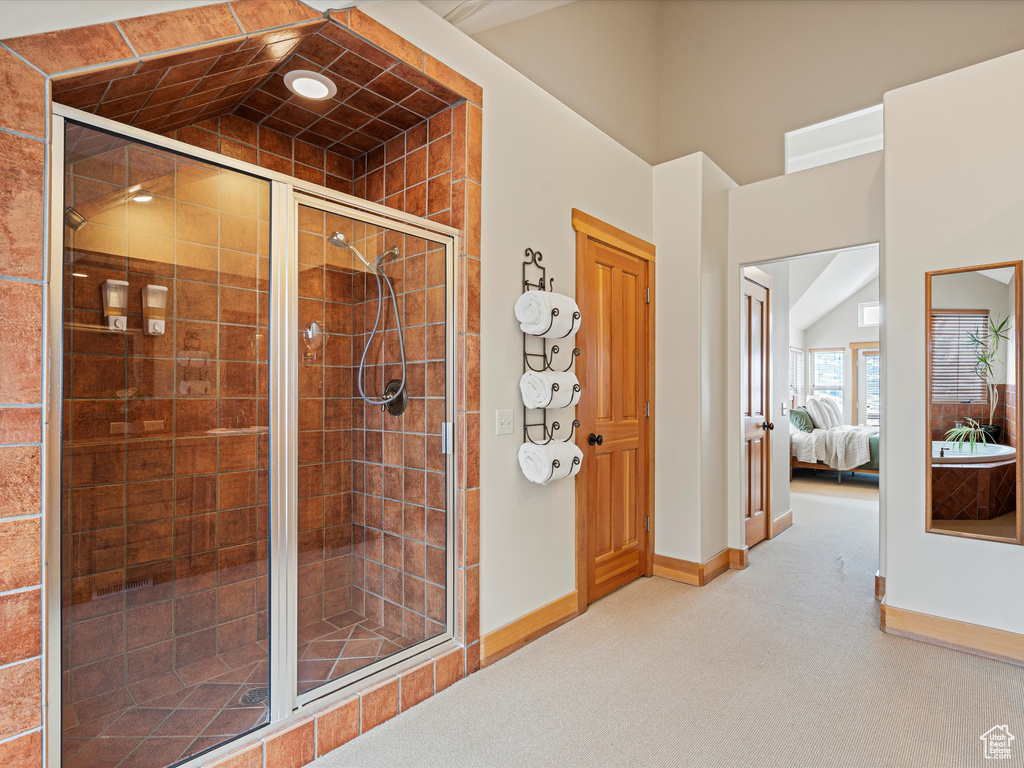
x=254, y=696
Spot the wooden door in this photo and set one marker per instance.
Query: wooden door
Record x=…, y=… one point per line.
x=756, y=385
x=613, y=340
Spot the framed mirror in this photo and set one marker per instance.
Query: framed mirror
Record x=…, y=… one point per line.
x=973, y=349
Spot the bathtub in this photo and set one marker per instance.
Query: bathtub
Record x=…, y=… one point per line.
x=984, y=453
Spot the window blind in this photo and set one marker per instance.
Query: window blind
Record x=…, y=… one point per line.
x=796, y=377
x=873, y=389
x=954, y=375
x=827, y=375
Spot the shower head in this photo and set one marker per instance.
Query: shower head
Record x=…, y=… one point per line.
x=340, y=240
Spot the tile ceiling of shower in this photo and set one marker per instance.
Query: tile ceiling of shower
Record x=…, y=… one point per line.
x=378, y=95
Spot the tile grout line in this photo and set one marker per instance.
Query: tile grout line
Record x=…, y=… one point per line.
x=20, y=734
x=128, y=42
x=13, y=52
x=13, y=132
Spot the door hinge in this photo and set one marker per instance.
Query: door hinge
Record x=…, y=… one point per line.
x=647, y=296
x=648, y=523
x=647, y=410
x=446, y=437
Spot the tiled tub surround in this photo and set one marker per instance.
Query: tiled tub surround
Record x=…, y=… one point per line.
x=165, y=457
x=945, y=415
x=974, y=491
x=97, y=52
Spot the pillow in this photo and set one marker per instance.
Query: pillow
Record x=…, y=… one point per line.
x=821, y=417
x=801, y=419
x=835, y=409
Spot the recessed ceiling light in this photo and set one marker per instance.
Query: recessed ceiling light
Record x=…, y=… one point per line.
x=142, y=196
x=311, y=85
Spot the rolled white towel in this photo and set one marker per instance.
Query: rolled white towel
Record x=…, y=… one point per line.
x=535, y=311
x=549, y=389
x=538, y=461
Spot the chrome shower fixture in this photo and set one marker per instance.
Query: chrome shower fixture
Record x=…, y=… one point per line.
x=74, y=219
x=395, y=399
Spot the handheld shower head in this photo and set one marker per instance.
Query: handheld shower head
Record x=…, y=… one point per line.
x=340, y=240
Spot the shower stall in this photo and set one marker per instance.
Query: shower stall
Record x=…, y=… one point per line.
x=256, y=461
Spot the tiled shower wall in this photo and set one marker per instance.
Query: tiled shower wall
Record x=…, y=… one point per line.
x=397, y=503
x=24, y=142
x=153, y=495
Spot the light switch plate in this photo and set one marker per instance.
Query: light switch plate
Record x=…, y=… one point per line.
x=503, y=422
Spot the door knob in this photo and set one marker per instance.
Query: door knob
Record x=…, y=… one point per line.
x=593, y=439
x=768, y=425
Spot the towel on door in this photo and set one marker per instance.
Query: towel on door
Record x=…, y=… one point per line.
x=535, y=311
x=549, y=389
x=537, y=461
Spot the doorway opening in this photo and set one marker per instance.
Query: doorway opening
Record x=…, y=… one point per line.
x=811, y=387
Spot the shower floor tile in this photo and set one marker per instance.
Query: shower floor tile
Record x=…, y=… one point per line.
x=204, y=710
x=334, y=647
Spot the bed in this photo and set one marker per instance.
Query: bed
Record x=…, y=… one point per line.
x=814, y=437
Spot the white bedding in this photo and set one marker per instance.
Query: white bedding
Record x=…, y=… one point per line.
x=843, y=448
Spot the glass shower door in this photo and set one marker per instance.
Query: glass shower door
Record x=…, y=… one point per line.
x=373, y=514
x=164, y=484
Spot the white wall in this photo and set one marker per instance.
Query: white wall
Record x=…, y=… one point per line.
x=690, y=232
x=954, y=161
x=540, y=160
x=840, y=328
x=821, y=209
x=677, y=412
x=601, y=59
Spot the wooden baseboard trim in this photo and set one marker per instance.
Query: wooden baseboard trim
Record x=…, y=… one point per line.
x=675, y=569
x=716, y=566
x=738, y=558
x=959, y=635
x=781, y=523
x=696, y=574
x=879, y=587
x=501, y=642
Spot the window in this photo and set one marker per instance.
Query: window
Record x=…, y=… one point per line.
x=837, y=139
x=954, y=377
x=869, y=313
x=796, y=377
x=872, y=389
x=827, y=374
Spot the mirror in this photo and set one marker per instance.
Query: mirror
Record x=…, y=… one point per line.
x=973, y=355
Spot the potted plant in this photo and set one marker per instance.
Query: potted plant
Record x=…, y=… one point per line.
x=989, y=367
x=970, y=432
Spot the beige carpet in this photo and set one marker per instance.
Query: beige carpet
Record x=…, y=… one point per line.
x=781, y=664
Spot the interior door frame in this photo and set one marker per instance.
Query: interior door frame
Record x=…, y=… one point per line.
x=589, y=228
x=856, y=347
x=766, y=281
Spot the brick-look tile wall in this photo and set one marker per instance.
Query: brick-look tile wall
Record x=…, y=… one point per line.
x=945, y=415
x=150, y=492
x=23, y=145
x=24, y=115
